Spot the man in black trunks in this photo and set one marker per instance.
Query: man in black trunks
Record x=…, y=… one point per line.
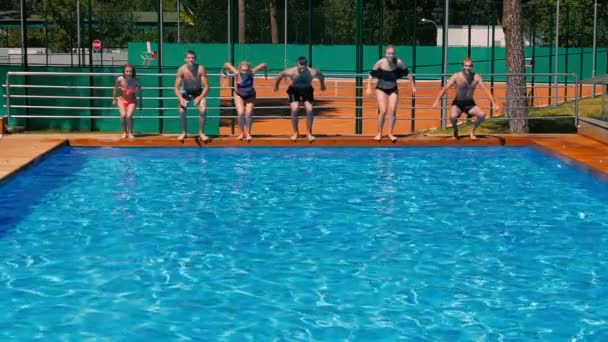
x=301, y=89
x=191, y=85
x=465, y=82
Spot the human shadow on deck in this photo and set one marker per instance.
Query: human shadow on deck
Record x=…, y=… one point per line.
x=261, y=113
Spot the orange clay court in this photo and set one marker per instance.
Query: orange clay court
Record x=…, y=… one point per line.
x=335, y=107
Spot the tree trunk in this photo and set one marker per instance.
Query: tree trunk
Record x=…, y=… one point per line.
x=516, y=106
x=274, y=27
x=242, y=21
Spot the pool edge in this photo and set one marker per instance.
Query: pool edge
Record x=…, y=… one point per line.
x=34, y=158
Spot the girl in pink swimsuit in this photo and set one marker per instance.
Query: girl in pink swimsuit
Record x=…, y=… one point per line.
x=130, y=92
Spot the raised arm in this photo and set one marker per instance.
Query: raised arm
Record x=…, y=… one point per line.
x=405, y=72
x=412, y=83
x=373, y=73
x=278, y=79
x=449, y=84
x=319, y=75
x=178, y=84
x=230, y=67
x=115, y=91
x=204, y=81
x=261, y=66
x=487, y=92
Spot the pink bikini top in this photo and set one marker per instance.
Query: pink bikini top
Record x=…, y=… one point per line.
x=127, y=92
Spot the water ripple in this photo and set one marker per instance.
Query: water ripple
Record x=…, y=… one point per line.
x=303, y=244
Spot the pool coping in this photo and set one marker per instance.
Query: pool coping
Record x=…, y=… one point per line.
x=34, y=158
x=603, y=175
x=576, y=150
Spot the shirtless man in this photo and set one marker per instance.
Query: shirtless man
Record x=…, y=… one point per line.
x=465, y=81
x=191, y=85
x=301, y=89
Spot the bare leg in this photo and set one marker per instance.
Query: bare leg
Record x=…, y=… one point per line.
x=123, y=118
x=240, y=112
x=202, y=116
x=382, y=105
x=310, y=117
x=248, y=120
x=129, y=120
x=183, y=123
x=393, y=101
x=481, y=116
x=294, y=120
x=454, y=119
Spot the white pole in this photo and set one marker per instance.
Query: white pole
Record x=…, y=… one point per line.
x=446, y=31
x=79, y=41
x=178, y=17
x=161, y=26
x=22, y=9
x=444, y=109
x=594, y=38
x=556, y=50
x=229, y=40
x=285, y=36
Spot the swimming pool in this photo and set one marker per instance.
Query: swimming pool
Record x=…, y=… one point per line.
x=303, y=244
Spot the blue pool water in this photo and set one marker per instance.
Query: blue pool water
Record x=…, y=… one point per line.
x=303, y=244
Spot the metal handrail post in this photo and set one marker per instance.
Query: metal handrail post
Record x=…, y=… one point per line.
x=577, y=98
x=8, y=100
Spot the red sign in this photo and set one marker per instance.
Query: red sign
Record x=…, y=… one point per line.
x=97, y=45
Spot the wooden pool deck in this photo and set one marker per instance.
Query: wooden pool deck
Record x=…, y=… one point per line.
x=20, y=150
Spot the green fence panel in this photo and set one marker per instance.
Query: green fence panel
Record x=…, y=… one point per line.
x=328, y=58
x=14, y=91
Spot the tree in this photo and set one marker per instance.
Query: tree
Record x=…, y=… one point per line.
x=516, y=85
x=242, y=22
x=274, y=27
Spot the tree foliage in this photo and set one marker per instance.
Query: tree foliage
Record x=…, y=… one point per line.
x=333, y=21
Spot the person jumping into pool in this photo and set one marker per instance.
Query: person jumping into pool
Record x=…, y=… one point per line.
x=130, y=93
x=388, y=70
x=191, y=85
x=301, y=89
x=466, y=81
x=244, y=95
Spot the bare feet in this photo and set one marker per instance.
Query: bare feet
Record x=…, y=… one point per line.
x=311, y=138
x=392, y=137
x=123, y=136
x=248, y=137
x=131, y=136
x=472, y=136
x=378, y=137
x=240, y=137
x=294, y=137
x=182, y=137
x=203, y=137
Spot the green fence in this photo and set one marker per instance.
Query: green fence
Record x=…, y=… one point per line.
x=336, y=59
x=88, y=95
x=342, y=58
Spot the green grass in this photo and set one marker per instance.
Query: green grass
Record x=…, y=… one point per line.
x=592, y=108
x=588, y=107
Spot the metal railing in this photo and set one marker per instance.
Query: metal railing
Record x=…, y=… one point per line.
x=27, y=97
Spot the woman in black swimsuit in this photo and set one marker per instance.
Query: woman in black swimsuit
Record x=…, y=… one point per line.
x=244, y=95
x=388, y=70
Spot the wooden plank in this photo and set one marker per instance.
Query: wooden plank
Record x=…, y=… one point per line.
x=19, y=150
